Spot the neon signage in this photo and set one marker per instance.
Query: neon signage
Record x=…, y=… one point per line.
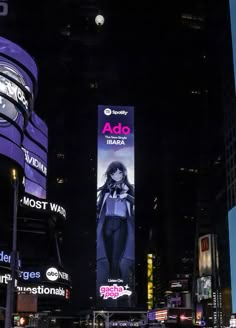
x=43, y=290
x=5, y=258
x=34, y=162
x=12, y=90
x=43, y=205
x=26, y=275
x=117, y=129
x=114, y=291
x=53, y=274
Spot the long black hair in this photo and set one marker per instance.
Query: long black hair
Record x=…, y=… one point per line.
x=110, y=183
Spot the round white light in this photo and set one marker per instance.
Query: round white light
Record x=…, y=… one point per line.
x=52, y=274
x=99, y=20
x=107, y=111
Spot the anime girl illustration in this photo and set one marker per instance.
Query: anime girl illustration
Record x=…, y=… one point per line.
x=115, y=226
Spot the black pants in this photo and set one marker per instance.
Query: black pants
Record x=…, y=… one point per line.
x=115, y=236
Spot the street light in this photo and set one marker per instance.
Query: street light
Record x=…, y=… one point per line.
x=14, y=260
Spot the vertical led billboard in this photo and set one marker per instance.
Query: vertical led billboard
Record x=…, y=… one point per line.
x=150, y=281
x=232, y=248
x=115, y=206
x=232, y=4
x=205, y=255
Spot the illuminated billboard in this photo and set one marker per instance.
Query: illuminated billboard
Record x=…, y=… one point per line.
x=14, y=109
x=205, y=255
x=43, y=206
x=150, y=281
x=23, y=135
x=18, y=75
x=204, y=288
x=115, y=206
x=232, y=248
x=42, y=281
x=198, y=314
x=179, y=285
x=35, y=147
x=232, y=4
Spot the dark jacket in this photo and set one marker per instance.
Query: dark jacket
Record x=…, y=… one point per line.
x=129, y=247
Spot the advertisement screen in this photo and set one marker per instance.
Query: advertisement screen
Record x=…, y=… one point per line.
x=199, y=313
x=37, y=135
x=204, y=289
x=14, y=88
x=232, y=4
x=150, y=281
x=45, y=290
x=232, y=248
x=35, y=189
x=30, y=146
x=179, y=285
x=39, y=123
x=35, y=145
x=205, y=255
x=10, y=132
x=43, y=206
x=12, y=50
x=51, y=274
x=12, y=151
x=115, y=206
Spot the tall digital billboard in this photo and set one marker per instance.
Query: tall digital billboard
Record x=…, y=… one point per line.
x=150, y=281
x=232, y=247
x=205, y=255
x=115, y=207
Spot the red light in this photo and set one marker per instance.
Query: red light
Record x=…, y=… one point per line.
x=67, y=294
x=182, y=317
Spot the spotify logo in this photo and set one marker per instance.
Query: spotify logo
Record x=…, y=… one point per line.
x=107, y=111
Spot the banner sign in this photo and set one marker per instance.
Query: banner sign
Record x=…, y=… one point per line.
x=43, y=205
x=115, y=206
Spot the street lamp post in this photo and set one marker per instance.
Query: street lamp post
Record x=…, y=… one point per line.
x=14, y=259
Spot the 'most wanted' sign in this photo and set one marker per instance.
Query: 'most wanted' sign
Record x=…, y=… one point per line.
x=43, y=205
